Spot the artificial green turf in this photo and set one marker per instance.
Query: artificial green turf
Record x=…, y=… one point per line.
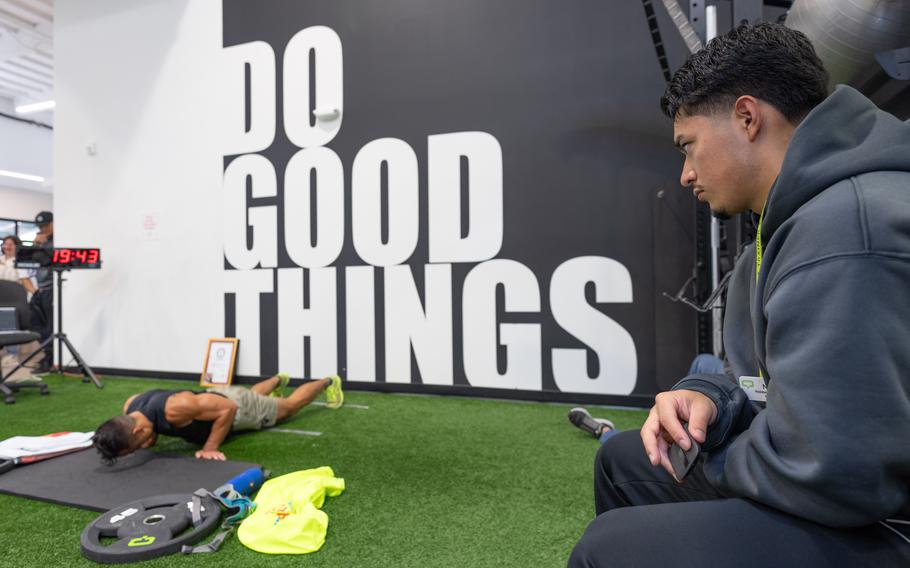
x=431, y=481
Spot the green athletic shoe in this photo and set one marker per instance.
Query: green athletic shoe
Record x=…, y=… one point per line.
x=283, y=380
x=334, y=396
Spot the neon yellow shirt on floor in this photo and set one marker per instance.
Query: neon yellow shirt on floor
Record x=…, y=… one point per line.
x=287, y=519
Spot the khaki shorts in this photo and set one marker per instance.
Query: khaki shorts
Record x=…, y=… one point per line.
x=254, y=411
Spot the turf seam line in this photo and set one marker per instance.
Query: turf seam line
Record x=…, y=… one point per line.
x=291, y=431
x=358, y=406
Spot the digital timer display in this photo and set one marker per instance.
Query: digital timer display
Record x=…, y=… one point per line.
x=76, y=258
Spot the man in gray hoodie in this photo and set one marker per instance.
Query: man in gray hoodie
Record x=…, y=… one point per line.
x=813, y=469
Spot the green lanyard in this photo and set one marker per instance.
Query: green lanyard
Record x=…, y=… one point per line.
x=758, y=244
x=758, y=257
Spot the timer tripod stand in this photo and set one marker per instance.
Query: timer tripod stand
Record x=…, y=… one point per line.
x=62, y=339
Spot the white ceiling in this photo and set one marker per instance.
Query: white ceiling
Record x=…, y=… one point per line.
x=26, y=75
x=27, y=51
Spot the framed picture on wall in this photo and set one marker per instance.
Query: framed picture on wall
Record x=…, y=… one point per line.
x=220, y=357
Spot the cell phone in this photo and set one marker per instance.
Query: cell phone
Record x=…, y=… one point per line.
x=683, y=460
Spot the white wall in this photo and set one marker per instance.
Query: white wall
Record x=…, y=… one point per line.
x=136, y=79
x=23, y=204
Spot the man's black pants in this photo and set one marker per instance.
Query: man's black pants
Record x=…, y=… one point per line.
x=42, y=319
x=644, y=518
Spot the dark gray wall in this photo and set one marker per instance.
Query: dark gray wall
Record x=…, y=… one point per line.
x=570, y=90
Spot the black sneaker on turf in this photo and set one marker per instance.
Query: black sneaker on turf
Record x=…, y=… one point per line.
x=583, y=419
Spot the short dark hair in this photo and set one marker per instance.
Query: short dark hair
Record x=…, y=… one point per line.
x=16, y=239
x=768, y=61
x=112, y=438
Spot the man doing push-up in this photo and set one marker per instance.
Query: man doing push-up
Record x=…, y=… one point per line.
x=206, y=417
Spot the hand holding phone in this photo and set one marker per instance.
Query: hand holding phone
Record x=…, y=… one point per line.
x=683, y=460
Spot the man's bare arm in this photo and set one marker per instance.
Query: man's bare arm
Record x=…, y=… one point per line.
x=183, y=408
x=126, y=404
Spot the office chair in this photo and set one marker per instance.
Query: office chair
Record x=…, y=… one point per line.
x=14, y=320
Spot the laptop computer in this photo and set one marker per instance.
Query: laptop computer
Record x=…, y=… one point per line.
x=8, y=320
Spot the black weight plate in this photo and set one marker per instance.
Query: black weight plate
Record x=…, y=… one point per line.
x=109, y=522
x=165, y=520
x=142, y=540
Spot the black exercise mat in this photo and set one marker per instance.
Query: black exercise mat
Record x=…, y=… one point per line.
x=81, y=480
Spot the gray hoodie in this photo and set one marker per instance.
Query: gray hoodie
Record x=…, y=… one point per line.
x=828, y=323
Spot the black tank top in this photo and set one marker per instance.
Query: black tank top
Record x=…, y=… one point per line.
x=151, y=405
